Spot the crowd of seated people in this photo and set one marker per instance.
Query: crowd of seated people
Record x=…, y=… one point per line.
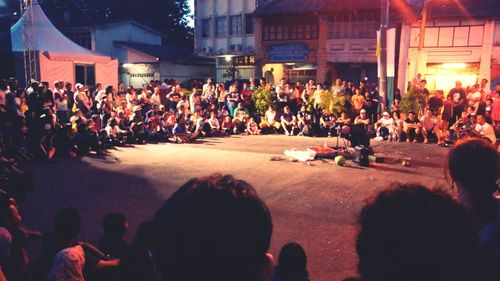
x=59, y=119
x=218, y=228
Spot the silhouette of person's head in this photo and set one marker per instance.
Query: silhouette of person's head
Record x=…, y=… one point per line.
x=214, y=228
x=292, y=263
x=411, y=233
x=473, y=166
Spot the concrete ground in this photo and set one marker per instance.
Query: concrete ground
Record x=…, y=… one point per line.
x=316, y=205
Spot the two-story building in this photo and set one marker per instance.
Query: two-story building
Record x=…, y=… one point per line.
x=289, y=35
x=461, y=42
x=224, y=30
x=319, y=39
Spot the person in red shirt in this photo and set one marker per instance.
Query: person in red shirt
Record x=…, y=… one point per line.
x=246, y=99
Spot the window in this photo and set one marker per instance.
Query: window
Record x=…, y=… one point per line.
x=248, y=24
x=220, y=27
x=85, y=74
x=359, y=25
x=272, y=32
x=290, y=32
x=449, y=36
x=235, y=25
x=205, y=28
x=80, y=37
x=265, y=35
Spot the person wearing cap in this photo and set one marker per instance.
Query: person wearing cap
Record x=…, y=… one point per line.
x=385, y=126
x=82, y=102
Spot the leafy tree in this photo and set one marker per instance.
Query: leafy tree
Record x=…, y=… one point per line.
x=332, y=104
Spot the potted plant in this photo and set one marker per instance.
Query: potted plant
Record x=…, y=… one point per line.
x=413, y=101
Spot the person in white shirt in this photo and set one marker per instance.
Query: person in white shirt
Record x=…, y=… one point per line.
x=155, y=98
x=484, y=130
x=474, y=98
x=283, y=92
x=61, y=102
x=385, y=126
x=214, y=123
x=208, y=91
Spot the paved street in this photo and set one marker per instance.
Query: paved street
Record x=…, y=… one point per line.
x=314, y=205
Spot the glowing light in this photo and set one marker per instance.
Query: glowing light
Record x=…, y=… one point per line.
x=453, y=66
x=228, y=58
x=127, y=65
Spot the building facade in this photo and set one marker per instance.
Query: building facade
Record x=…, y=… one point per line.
x=144, y=53
x=457, y=46
x=224, y=30
x=321, y=40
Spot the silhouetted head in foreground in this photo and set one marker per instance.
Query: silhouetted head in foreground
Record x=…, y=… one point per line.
x=292, y=264
x=473, y=167
x=409, y=233
x=214, y=228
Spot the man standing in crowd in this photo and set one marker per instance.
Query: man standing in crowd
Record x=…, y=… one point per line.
x=61, y=101
x=459, y=100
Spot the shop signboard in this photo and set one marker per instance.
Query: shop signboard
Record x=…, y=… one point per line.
x=288, y=53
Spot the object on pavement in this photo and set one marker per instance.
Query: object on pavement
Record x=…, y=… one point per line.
x=298, y=155
x=340, y=160
x=323, y=152
x=360, y=156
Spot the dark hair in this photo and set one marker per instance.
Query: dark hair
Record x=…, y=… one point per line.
x=114, y=224
x=67, y=223
x=213, y=228
x=411, y=233
x=474, y=163
x=109, y=89
x=292, y=263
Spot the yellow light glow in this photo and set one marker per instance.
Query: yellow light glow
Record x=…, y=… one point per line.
x=228, y=58
x=453, y=66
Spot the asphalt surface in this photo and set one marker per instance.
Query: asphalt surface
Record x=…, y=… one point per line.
x=315, y=205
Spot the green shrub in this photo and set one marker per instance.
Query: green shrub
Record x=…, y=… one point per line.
x=414, y=100
x=262, y=98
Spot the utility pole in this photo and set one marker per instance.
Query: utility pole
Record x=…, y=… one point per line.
x=421, y=36
x=384, y=23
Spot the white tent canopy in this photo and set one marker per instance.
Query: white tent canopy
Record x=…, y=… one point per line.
x=59, y=55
